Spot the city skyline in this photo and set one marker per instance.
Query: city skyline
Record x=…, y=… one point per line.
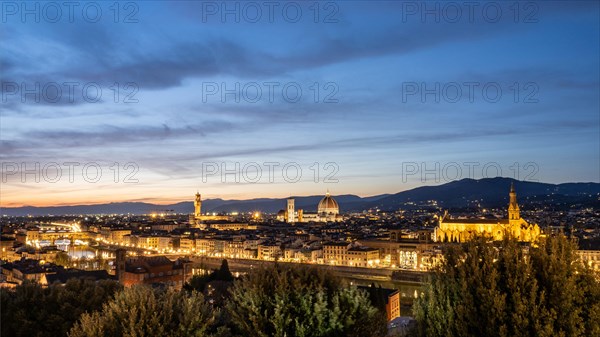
x=383, y=88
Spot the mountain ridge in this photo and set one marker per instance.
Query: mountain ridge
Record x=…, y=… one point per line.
x=487, y=192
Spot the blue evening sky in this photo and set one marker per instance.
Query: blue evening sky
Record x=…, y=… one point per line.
x=369, y=127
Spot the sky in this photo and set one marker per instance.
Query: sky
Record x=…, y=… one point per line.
x=153, y=101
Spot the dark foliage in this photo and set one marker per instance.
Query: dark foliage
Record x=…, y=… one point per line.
x=142, y=311
x=486, y=289
x=30, y=310
x=299, y=301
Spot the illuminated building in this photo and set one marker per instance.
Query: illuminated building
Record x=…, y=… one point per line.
x=197, y=218
x=328, y=210
x=6, y=245
x=291, y=254
x=328, y=205
x=362, y=257
x=145, y=241
x=590, y=258
x=231, y=226
x=186, y=244
x=269, y=251
x=114, y=234
x=392, y=305
x=415, y=252
x=235, y=249
x=334, y=253
x=461, y=230
x=290, y=215
x=345, y=254
x=205, y=246
x=165, y=243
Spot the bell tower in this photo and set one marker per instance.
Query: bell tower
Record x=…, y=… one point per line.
x=513, y=207
x=120, y=260
x=291, y=211
x=198, y=205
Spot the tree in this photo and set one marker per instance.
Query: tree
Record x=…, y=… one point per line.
x=199, y=282
x=223, y=274
x=377, y=296
x=31, y=310
x=63, y=259
x=487, y=289
x=301, y=301
x=142, y=311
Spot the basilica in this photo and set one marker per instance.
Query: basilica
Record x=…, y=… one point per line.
x=461, y=230
x=328, y=210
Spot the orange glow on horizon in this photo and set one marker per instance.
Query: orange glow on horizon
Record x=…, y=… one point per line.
x=54, y=195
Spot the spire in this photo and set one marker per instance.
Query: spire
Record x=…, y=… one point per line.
x=327, y=194
x=513, y=207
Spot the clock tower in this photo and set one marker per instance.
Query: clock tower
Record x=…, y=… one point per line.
x=198, y=205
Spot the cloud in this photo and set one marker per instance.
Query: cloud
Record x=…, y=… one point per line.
x=115, y=135
x=369, y=52
x=100, y=55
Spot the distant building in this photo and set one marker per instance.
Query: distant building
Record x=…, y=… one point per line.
x=461, y=230
x=46, y=273
x=590, y=258
x=362, y=257
x=328, y=210
x=414, y=251
x=269, y=251
x=290, y=214
x=152, y=270
x=334, y=253
x=114, y=234
x=28, y=270
x=345, y=254
x=197, y=218
x=231, y=226
x=205, y=246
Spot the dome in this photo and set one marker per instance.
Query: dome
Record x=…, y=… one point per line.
x=328, y=205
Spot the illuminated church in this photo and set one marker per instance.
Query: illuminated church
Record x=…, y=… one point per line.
x=328, y=210
x=461, y=230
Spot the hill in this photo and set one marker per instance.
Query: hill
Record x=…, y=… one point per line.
x=489, y=192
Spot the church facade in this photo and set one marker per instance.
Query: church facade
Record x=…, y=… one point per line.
x=461, y=230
